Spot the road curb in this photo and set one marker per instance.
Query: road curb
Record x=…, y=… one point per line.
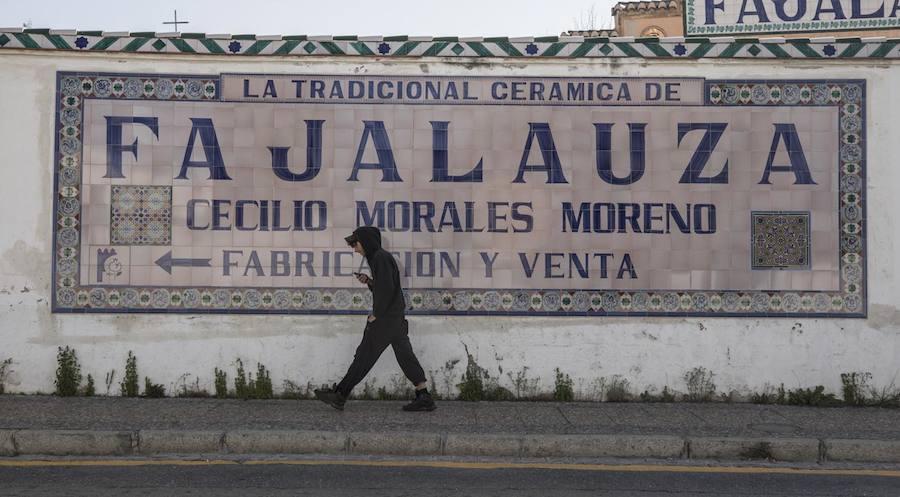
x=627, y=446
x=285, y=442
x=73, y=443
x=862, y=450
x=272, y=442
x=733, y=448
x=393, y=443
x=179, y=442
x=468, y=444
x=7, y=443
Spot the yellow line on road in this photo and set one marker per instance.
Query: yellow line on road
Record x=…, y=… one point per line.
x=633, y=468
x=25, y=463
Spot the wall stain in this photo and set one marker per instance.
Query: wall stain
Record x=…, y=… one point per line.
x=154, y=329
x=883, y=316
x=28, y=262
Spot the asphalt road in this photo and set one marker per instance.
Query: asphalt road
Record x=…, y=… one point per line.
x=400, y=478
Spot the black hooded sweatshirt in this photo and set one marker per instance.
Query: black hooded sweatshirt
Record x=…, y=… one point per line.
x=387, y=296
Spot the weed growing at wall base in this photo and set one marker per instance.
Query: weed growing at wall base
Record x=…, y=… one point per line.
x=472, y=385
x=700, y=386
x=153, y=390
x=812, y=397
x=89, y=389
x=563, y=391
x=241, y=390
x=293, y=391
x=767, y=395
x=887, y=396
x=477, y=384
x=815, y=396
x=246, y=387
x=618, y=390
x=68, y=372
x=5, y=370
x=190, y=389
x=854, y=387
x=857, y=391
x=664, y=396
x=524, y=387
x=262, y=386
x=366, y=393
x=447, y=377
x=129, y=385
x=221, y=383
x=400, y=389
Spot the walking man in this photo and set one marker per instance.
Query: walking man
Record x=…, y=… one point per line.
x=386, y=325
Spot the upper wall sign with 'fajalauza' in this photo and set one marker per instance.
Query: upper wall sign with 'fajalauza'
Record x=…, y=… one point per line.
x=754, y=17
x=511, y=196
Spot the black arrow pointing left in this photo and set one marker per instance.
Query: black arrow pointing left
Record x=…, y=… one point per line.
x=167, y=261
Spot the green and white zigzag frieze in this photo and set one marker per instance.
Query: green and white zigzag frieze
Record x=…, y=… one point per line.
x=449, y=47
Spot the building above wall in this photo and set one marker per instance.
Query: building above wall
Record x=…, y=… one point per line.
x=592, y=33
x=649, y=18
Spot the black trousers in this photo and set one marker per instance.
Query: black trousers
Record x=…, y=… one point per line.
x=376, y=337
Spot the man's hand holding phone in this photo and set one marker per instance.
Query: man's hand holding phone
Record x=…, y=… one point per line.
x=363, y=278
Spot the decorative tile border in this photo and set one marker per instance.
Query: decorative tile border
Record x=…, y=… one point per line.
x=450, y=47
x=69, y=295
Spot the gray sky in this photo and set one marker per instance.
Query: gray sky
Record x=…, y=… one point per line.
x=287, y=17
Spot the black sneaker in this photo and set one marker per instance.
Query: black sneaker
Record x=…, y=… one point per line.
x=422, y=402
x=331, y=397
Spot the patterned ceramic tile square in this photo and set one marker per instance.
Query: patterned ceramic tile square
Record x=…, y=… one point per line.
x=780, y=240
x=141, y=215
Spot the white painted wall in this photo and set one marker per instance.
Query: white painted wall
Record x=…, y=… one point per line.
x=744, y=354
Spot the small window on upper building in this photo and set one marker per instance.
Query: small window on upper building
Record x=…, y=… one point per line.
x=654, y=31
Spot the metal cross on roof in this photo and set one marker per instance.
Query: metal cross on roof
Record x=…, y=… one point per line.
x=176, y=22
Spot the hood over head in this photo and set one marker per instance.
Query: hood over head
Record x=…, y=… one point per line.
x=368, y=236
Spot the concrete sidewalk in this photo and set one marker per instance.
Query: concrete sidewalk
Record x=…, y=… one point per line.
x=114, y=426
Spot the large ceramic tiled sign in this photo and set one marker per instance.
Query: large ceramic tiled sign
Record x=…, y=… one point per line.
x=752, y=17
x=232, y=193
